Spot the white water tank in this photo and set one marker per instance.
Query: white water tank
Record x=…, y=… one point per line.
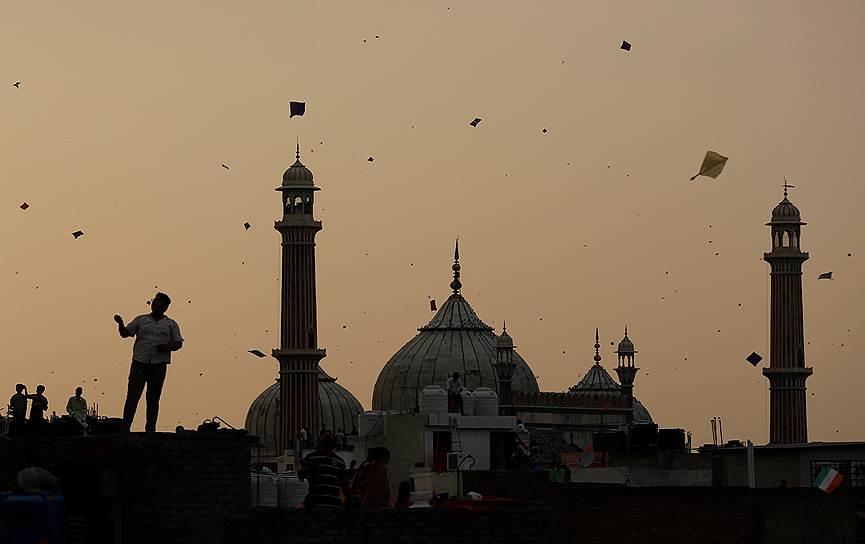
x=433, y=399
x=291, y=491
x=468, y=404
x=486, y=402
x=370, y=423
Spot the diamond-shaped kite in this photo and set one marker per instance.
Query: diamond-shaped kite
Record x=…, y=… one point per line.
x=475, y=122
x=712, y=166
x=246, y=225
x=754, y=358
x=626, y=46
x=78, y=234
x=24, y=206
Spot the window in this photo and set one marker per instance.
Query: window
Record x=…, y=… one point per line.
x=853, y=471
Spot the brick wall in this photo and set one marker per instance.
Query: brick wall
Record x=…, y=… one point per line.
x=140, y=487
x=527, y=525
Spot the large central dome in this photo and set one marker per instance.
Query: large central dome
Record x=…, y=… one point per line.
x=456, y=340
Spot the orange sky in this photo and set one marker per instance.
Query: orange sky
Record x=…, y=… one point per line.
x=126, y=111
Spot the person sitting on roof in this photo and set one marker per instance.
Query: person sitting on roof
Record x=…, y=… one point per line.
x=454, y=388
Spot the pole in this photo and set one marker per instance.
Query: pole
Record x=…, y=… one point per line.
x=721, y=431
x=752, y=480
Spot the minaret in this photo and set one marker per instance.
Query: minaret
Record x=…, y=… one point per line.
x=298, y=352
x=787, y=371
x=505, y=367
x=627, y=372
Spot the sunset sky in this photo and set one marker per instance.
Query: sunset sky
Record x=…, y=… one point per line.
x=127, y=110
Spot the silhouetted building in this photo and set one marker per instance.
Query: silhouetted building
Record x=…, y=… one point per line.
x=787, y=371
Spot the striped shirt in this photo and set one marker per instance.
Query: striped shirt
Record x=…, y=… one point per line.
x=326, y=475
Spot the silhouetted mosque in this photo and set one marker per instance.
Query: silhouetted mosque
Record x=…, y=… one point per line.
x=455, y=340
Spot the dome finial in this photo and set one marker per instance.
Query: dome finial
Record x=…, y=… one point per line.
x=786, y=186
x=297, y=153
x=626, y=330
x=456, y=285
x=597, y=347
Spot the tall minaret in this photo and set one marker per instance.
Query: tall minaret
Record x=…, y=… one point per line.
x=627, y=372
x=787, y=371
x=298, y=352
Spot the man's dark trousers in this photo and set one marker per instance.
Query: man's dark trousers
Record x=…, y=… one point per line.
x=140, y=374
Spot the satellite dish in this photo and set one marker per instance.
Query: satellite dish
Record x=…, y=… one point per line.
x=586, y=459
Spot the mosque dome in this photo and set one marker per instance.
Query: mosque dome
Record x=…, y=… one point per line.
x=786, y=212
x=596, y=379
x=297, y=174
x=339, y=410
x=626, y=346
x=504, y=340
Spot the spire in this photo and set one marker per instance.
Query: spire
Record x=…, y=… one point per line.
x=626, y=331
x=597, y=348
x=297, y=153
x=456, y=285
x=504, y=325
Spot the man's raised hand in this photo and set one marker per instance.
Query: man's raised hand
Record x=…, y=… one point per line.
x=118, y=319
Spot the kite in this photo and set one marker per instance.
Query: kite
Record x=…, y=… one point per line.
x=828, y=479
x=370, y=159
x=24, y=206
x=432, y=305
x=754, y=358
x=246, y=225
x=224, y=166
x=626, y=46
x=475, y=122
x=712, y=166
x=257, y=353
x=77, y=234
x=825, y=276
x=17, y=84
x=296, y=108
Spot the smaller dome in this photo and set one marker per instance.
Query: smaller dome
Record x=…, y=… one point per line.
x=297, y=174
x=504, y=340
x=625, y=346
x=785, y=212
x=596, y=379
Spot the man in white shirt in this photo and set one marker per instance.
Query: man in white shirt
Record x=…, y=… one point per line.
x=156, y=336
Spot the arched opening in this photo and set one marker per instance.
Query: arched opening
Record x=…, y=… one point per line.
x=785, y=242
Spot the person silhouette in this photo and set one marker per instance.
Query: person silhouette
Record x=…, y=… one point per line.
x=76, y=407
x=18, y=410
x=156, y=336
x=37, y=410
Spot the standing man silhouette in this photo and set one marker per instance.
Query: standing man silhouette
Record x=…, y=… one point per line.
x=156, y=336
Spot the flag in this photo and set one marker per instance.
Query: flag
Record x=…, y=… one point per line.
x=828, y=479
x=713, y=165
x=825, y=276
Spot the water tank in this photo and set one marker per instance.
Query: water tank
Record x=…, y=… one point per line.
x=370, y=423
x=291, y=491
x=433, y=399
x=468, y=402
x=486, y=402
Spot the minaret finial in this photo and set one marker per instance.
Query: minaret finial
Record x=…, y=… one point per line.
x=456, y=285
x=297, y=153
x=786, y=186
x=626, y=330
x=597, y=347
x=504, y=325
